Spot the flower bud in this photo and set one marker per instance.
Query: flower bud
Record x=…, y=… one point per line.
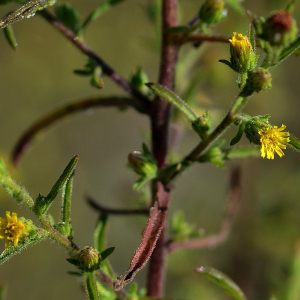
x=254, y=125
x=142, y=163
x=279, y=29
x=89, y=259
x=257, y=81
x=139, y=79
x=242, y=57
x=212, y=11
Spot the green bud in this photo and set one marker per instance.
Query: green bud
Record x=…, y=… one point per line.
x=242, y=55
x=139, y=79
x=214, y=156
x=89, y=259
x=142, y=163
x=212, y=11
x=257, y=81
x=253, y=126
x=280, y=29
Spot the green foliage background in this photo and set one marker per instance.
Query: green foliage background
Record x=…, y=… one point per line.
x=38, y=78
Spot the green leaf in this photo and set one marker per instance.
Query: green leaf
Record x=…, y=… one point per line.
x=27, y=10
x=239, y=135
x=289, y=50
x=236, y=5
x=100, y=232
x=226, y=62
x=66, y=200
x=12, y=251
x=294, y=143
x=174, y=99
x=97, y=12
x=96, y=79
x=73, y=261
x=222, y=280
x=42, y=204
x=68, y=15
x=10, y=37
x=100, y=241
x=107, y=252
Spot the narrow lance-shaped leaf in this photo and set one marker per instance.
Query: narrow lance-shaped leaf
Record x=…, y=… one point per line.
x=289, y=50
x=100, y=241
x=68, y=16
x=27, y=10
x=100, y=232
x=222, y=280
x=12, y=251
x=174, y=99
x=68, y=171
x=66, y=199
x=10, y=37
x=107, y=252
x=42, y=204
x=294, y=143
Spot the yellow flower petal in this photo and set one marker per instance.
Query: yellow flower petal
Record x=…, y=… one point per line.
x=11, y=229
x=273, y=140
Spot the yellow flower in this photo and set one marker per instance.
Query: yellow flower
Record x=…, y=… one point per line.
x=273, y=140
x=11, y=229
x=242, y=57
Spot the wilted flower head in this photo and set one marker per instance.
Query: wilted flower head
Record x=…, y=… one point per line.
x=279, y=29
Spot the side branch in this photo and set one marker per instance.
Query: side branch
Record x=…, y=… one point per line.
x=221, y=237
x=116, y=211
x=84, y=48
x=57, y=115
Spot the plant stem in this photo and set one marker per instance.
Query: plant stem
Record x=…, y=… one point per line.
x=160, y=126
x=84, y=48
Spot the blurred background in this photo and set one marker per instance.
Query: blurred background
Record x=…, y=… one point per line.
x=38, y=78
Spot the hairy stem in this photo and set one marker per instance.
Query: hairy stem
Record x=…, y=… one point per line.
x=160, y=127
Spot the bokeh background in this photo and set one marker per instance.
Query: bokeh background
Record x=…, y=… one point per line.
x=38, y=78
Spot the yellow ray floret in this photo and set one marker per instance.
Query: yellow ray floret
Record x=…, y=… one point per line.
x=239, y=41
x=273, y=140
x=11, y=229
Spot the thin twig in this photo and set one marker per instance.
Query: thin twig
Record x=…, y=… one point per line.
x=195, y=38
x=52, y=118
x=84, y=48
x=116, y=211
x=221, y=237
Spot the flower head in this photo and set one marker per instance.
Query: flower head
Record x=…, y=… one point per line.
x=242, y=58
x=273, y=140
x=11, y=229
